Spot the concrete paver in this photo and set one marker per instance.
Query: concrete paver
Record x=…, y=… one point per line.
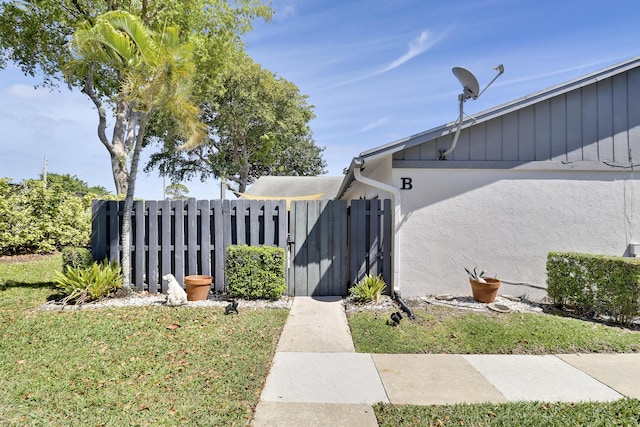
x=544, y=378
x=433, y=379
x=316, y=324
x=323, y=378
x=314, y=415
x=317, y=379
x=621, y=372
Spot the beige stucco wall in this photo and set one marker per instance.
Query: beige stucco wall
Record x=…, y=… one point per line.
x=506, y=221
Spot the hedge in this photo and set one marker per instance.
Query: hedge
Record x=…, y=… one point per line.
x=35, y=219
x=255, y=272
x=595, y=284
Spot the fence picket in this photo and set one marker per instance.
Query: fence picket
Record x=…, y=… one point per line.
x=192, y=238
x=137, y=230
x=178, y=244
x=220, y=243
x=203, y=237
x=166, y=245
x=152, y=243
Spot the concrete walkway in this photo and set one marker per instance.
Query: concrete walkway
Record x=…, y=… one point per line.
x=317, y=378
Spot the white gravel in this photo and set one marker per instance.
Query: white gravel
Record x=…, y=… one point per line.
x=462, y=302
x=139, y=299
x=467, y=302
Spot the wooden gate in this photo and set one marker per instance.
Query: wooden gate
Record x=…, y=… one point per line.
x=332, y=247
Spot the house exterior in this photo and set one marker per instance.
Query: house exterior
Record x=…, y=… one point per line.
x=553, y=171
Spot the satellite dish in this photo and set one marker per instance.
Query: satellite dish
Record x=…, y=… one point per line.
x=468, y=82
x=471, y=90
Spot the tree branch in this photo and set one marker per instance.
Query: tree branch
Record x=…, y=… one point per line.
x=203, y=158
x=102, y=114
x=143, y=12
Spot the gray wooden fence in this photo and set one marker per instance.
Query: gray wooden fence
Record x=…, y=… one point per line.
x=330, y=246
x=185, y=237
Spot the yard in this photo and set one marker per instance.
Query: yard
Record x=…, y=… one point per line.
x=158, y=365
x=152, y=365
x=438, y=329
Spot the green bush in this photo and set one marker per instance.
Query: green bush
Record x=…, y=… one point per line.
x=73, y=257
x=595, y=284
x=255, y=272
x=35, y=219
x=368, y=289
x=89, y=284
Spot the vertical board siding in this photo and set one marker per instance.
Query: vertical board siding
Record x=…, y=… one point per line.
x=633, y=84
x=620, y=119
x=542, y=132
x=605, y=120
x=184, y=238
x=494, y=139
x=574, y=126
x=526, y=134
x=597, y=122
x=558, y=125
x=590, y=126
x=478, y=138
x=510, y=137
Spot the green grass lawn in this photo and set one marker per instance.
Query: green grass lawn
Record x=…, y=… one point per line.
x=439, y=329
x=126, y=366
x=623, y=412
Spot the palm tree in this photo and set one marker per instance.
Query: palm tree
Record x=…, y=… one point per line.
x=153, y=73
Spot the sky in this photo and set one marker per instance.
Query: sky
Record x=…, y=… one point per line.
x=374, y=70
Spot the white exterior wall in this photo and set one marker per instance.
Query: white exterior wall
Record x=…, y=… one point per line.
x=506, y=222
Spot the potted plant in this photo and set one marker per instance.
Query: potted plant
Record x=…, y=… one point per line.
x=484, y=289
x=198, y=287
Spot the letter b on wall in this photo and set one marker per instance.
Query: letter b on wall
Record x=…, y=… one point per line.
x=406, y=184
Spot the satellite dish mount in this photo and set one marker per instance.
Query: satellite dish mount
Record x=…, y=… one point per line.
x=470, y=90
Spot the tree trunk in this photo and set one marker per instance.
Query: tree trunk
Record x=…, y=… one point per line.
x=128, y=204
x=120, y=173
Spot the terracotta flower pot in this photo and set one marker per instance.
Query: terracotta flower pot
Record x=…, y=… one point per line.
x=485, y=292
x=198, y=287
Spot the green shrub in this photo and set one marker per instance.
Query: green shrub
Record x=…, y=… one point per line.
x=255, y=272
x=368, y=289
x=89, y=284
x=595, y=284
x=73, y=257
x=35, y=219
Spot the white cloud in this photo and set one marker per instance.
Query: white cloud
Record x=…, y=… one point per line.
x=375, y=124
x=417, y=46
